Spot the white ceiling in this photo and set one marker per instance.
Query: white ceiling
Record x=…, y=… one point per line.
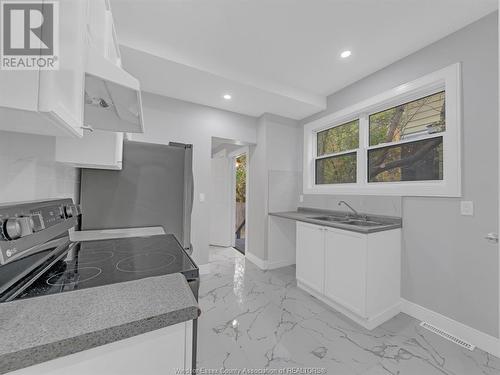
x=277, y=56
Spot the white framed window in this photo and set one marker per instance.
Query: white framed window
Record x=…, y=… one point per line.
x=405, y=141
x=336, y=154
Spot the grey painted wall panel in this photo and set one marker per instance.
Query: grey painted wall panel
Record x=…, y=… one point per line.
x=273, y=177
x=283, y=190
x=448, y=267
x=257, y=194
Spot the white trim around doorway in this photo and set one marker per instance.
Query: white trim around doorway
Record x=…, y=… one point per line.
x=245, y=150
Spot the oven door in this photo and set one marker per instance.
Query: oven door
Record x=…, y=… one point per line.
x=18, y=275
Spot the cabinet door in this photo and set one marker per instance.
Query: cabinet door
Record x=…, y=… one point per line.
x=98, y=149
x=19, y=90
x=101, y=30
x=62, y=91
x=345, y=269
x=310, y=255
x=50, y=102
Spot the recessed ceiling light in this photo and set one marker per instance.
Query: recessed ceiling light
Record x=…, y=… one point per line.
x=227, y=96
x=345, y=54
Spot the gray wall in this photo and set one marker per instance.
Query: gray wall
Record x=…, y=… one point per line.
x=257, y=194
x=379, y=205
x=273, y=177
x=447, y=266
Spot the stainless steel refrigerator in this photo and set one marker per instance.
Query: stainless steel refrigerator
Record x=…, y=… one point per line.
x=154, y=187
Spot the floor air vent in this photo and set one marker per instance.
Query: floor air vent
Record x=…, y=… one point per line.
x=447, y=336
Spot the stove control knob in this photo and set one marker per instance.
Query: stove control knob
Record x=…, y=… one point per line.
x=12, y=229
x=17, y=227
x=72, y=210
x=69, y=211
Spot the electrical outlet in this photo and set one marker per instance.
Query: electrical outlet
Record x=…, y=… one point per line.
x=301, y=198
x=467, y=208
x=202, y=197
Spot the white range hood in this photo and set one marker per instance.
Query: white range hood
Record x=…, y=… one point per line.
x=112, y=96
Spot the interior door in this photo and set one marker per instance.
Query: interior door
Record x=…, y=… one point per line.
x=345, y=269
x=310, y=255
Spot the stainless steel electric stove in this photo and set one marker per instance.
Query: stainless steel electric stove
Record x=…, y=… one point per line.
x=39, y=257
x=101, y=262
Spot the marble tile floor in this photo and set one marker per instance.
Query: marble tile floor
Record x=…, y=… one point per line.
x=258, y=319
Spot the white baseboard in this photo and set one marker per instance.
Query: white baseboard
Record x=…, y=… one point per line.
x=271, y=265
x=204, y=268
x=267, y=265
x=256, y=260
x=364, y=322
x=480, y=339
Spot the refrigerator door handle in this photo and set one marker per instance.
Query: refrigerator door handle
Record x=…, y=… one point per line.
x=188, y=198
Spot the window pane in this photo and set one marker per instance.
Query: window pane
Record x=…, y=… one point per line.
x=340, y=138
x=414, y=161
x=339, y=169
x=420, y=117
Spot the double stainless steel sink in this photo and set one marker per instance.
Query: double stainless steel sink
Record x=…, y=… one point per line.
x=360, y=222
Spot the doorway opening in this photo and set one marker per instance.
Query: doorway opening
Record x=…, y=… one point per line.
x=229, y=198
x=240, y=188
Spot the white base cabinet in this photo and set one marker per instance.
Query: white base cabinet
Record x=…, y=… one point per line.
x=357, y=274
x=164, y=351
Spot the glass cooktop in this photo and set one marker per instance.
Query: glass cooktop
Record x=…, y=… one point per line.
x=97, y=263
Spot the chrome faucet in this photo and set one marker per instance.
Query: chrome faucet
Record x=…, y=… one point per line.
x=356, y=213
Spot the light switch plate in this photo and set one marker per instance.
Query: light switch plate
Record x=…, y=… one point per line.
x=202, y=197
x=467, y=208
x=301, y=198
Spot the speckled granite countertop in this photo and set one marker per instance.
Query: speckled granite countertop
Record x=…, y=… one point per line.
x=39, y=329
x=306, y=214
